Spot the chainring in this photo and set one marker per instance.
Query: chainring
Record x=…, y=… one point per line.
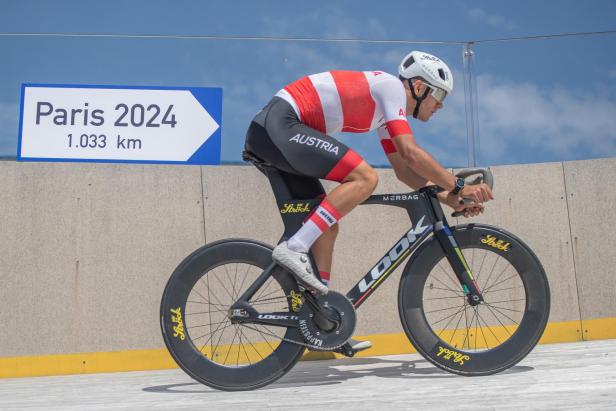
x=338, y=307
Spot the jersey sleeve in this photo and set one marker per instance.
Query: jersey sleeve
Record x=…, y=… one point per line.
x=386, y=142
x=391, y=98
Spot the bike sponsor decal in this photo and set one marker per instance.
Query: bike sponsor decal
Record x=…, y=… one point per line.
x=494, y=242
x=398, y=197
x=295, y=208
x=314, y=141
x=296, y=301
x=452, y=355
x=397, y=253
x=311, y=339
x=176, y=318
x=277, y=317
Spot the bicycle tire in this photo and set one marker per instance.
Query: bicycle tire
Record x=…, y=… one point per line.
x=519, y=337
x=209, y=367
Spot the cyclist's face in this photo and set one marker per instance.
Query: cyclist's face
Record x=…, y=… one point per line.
x=428, y=107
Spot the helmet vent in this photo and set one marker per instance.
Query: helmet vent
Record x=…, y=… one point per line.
x=441, y=74
x=409, y=61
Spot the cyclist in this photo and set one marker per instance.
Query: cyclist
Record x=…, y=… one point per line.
x=293, y=133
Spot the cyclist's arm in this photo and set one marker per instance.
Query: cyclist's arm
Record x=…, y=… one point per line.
x=415, y=181
x=421, y=162
x=404, y=172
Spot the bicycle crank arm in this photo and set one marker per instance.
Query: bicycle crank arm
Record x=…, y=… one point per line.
x=276, y=319
x=458, y=263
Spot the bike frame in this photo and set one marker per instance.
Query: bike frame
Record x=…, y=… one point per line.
x=426, y=215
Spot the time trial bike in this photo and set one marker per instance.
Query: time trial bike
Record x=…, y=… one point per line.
x=473, y=299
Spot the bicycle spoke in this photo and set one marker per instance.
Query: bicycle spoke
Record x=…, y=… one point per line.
x=480, y=266
x=498, y=319
x=503, y=314
x=442, y=309
x=506, y=279
x=241, y=287
x=497, y=278
x=234, y=296
x=449, y=322
x=455, y=329
x=467, y=330
x=492, y=270
x=199, y=302
x=502, y=289
x=211, y=334
x=210, y=324
x=205, y=312
x=268, y=284
x=217, y=344
x=443, y=298
x=267, y=295
x=444, y=285
x=458, y=294
x=507, y=301
x=230, y=346
x=223, y=286
x=489, y=329
x=454, y=282
x=252, y=345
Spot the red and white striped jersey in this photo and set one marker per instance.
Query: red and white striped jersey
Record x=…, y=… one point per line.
x=351, y=101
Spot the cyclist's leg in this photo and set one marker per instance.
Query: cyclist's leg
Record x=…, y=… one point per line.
x=279, y=137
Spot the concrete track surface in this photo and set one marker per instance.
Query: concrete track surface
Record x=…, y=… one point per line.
x=559, y=376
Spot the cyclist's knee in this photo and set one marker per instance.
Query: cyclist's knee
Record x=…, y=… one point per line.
x=366, y=176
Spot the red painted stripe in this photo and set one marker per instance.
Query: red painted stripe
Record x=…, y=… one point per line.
x=308, y=102
x=331, y=209
x=357, y=103
x=363, y=297
x=398, y=127
x=319, y=222
x=346, y=164
x=388, y=146
x=324, y=275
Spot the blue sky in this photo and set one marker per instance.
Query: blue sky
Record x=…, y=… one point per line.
x=544, y=100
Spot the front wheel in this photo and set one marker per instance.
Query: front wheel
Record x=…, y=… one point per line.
x=482, y=339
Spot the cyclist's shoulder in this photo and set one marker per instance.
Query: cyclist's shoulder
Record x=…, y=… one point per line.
x=385, y=85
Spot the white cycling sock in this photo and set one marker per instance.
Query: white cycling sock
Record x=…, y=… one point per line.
x=319, y=221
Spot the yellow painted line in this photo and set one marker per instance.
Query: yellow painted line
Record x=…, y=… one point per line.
x=157, y=359
x=599, y=328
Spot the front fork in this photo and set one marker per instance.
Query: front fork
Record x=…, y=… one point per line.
x=458, y=263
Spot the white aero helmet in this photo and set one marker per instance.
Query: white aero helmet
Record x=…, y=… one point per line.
x=431, y=69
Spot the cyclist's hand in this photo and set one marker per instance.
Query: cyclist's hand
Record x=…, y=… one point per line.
x=470, y=210
x=479, y=193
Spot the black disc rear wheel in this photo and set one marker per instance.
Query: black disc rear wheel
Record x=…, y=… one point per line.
x=486, y=338
x=195, y=317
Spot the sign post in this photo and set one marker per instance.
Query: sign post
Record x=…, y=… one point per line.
x=84, y=123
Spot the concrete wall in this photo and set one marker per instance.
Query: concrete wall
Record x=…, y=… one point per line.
x=86, y=248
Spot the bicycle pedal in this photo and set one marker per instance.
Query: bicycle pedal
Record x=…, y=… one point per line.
x=346, y=350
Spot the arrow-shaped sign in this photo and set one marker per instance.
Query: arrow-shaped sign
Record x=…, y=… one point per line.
x=120, y=124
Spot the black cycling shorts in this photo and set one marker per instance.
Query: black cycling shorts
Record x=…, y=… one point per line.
x=303, y=154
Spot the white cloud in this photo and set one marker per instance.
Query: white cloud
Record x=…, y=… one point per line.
x=559, y=122
x=517, y=118
x=495, y=20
